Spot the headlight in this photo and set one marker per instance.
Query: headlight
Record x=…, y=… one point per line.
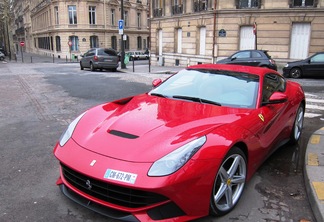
x=68, y=132
x=286, y=65
x=176, y=159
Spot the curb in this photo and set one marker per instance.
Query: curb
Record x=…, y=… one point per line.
x=314, y=173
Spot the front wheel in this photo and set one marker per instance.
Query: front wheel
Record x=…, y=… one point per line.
x=298, y=125
x=229, y=182
x=295, y=73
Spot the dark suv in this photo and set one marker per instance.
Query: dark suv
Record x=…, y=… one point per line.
x=259, y=58
x=100, y=58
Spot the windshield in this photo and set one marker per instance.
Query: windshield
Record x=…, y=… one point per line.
x=216, y=87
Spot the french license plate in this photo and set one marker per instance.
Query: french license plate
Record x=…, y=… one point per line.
x=120, y=176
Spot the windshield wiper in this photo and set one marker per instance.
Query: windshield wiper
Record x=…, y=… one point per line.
x=196, y=99
x=158, y=94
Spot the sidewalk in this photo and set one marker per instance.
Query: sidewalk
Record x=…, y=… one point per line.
x=314, y=157
x=314, y=173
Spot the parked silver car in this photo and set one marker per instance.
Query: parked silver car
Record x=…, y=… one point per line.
x=136, y=55
x=99, y=58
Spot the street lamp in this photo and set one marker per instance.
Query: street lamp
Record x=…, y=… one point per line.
x=123, y=66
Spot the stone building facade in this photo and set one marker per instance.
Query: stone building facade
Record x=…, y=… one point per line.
x=68, y=28
x=187, y=32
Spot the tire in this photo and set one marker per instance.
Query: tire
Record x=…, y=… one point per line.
x=92, y=68
x=298, y=125
x=295, y=73
x=229, y=182
x=81, y=67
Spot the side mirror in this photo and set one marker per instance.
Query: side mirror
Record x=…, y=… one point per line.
x=82, y=55
x=156, y=82
x=276, y=98
x=233, y=58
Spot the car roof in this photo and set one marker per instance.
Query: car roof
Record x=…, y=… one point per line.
x=260, y=71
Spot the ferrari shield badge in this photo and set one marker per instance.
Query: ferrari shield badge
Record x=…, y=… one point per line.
x=261, y=117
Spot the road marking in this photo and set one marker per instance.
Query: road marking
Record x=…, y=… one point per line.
x=309, y=106
x=315, y=139
x=312, y=159
x=314, y=106
x=319, y=189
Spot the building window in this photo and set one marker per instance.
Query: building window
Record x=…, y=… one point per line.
x=94, y=41
x=139, y=20
x=139, y=42
x=157, y=8
x=58, y=43
x=75, y=43
x=178, y=40
x=144, y=44
x=248, y=3
x=56, y=14
x=92, y=15
x=126, y=18
x=177, y=7
x=113, y=17
x=303, y=3
x=72, y=14
x=202, y=41
x=44, y=43
x=200, y=5
x=114, y=42
x=126, y=43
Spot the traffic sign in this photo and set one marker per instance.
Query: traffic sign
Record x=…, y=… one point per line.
x=121, y=24
x=69, y=43
x=22, y=43
x=121, y=27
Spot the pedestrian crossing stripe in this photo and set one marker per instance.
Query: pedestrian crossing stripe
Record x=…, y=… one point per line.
x=314, y=106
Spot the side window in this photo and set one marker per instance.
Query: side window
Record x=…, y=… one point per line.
x=318, y=58
x=256, y=54
x=100, y=52
x=110, y=52
x=272, y=83
x=242, y=55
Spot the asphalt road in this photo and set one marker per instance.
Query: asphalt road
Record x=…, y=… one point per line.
x=39, y=100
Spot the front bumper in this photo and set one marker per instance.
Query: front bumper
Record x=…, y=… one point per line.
x=182, y=196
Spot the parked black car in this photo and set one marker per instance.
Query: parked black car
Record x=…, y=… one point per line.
x=259, y=58
x=100, y=58
x=312, y=66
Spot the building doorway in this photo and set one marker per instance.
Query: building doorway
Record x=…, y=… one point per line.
x=299, y=43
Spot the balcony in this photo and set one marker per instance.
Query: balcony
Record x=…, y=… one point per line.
x=177, y=9
x=243, y=4
x=157, y=12
x=301, y=3
x=20, y=31
x=200, y=6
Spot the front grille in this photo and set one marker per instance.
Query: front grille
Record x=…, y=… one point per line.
x=110, y=193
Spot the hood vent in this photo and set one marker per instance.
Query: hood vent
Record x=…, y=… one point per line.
x=122, y=134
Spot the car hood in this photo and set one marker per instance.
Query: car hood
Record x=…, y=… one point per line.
x=298, y=62
x=144, y=128
x=222, y=61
